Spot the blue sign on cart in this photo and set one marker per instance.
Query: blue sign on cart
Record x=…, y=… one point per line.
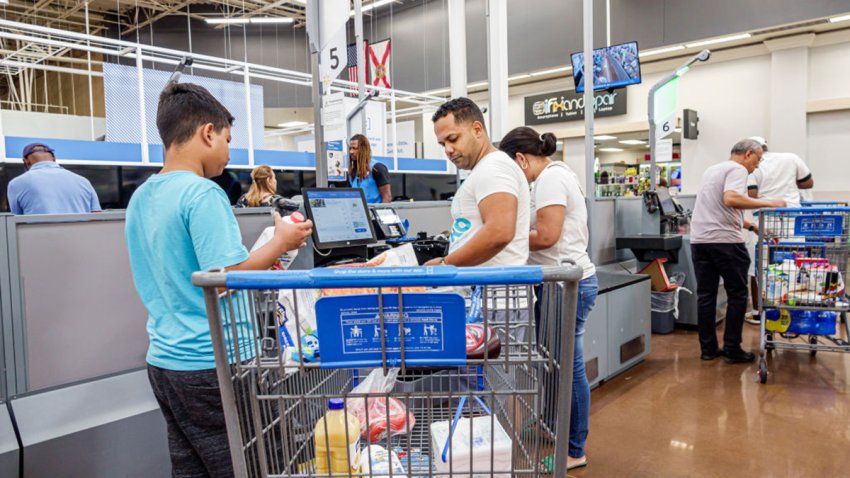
x=350, y=330
x=823, y=226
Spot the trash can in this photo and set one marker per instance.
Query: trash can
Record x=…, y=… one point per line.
x=664, y=306
x=663, y=311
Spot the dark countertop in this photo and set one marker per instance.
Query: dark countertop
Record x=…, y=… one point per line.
x=611, y=281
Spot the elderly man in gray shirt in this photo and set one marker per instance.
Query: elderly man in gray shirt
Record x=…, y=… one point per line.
x=718, y=250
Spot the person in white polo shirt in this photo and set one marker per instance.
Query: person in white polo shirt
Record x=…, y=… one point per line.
x=779, y=176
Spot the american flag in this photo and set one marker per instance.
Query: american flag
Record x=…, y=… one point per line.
x=352, y=64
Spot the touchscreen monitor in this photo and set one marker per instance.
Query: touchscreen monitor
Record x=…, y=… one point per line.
x=340, y=217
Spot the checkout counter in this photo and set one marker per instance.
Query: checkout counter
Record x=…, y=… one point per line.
x=658, y=228
x=74, y=395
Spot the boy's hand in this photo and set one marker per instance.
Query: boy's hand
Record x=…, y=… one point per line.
x=291, y=236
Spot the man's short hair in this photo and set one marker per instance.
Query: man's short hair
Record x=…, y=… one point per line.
x=183, y=108
x=463, y=109
x=746, y=145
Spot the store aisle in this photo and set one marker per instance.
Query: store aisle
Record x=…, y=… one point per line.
x=677, y=416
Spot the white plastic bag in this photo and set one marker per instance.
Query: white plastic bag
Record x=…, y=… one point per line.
x=292, y=320
x=400, y=420
x=475, y=460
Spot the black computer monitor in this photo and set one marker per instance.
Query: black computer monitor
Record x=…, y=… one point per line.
x=340, y=217
x=665, y=202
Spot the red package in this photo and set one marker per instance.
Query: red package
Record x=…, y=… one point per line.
x=401, y=421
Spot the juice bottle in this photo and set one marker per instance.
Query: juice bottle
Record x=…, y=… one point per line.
x=344, y=449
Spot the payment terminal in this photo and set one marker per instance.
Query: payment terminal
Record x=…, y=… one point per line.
x=387, y=223
x=342, y=225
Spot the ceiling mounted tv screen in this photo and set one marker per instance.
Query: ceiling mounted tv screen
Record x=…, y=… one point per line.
x=615, y=66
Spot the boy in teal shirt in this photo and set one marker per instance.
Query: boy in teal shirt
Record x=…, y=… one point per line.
x=179, y=222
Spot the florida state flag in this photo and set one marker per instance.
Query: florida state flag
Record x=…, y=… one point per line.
x=379, y=64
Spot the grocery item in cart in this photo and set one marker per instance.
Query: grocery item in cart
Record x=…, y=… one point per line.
x=283, y=262
x=477, y=459
x=395, y=420
x=336, y=440
x=375, y=460
x=480, y=343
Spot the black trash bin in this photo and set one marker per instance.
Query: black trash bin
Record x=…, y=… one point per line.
x=663, y=306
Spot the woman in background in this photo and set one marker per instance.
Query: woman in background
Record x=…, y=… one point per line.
x=559, y=231
x=262, y=192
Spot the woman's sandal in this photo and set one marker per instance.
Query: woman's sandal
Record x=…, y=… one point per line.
x=547, y=465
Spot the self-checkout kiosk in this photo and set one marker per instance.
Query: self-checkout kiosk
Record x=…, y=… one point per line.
x=346, y=230
x=664, y=234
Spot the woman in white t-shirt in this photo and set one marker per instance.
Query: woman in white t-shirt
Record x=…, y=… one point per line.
x=559, y=231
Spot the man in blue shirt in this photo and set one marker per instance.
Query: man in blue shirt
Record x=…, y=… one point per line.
x=47, y=188
x=179, y=222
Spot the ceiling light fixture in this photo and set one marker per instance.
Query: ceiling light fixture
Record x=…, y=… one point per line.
x=477, y=85
x=604, y=137
x=272, y=20
x=228, y=21
x=246, y=20
x=519, y=77
x=659, y=51
x=841, y=18
x=376, y=4
x=611, y=150
x=714, y=41
x=291, y=124
x=631, y=142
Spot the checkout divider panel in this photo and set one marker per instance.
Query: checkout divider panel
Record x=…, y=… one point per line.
x=433, y=217
x=7, y=354
x=9, y=450
x=79, y=309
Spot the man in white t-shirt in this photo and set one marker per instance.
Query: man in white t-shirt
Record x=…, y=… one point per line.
x=717, y=248
x=490, y=209
x=779, y=176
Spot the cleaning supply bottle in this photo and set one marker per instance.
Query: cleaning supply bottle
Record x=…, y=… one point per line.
x=333, y=444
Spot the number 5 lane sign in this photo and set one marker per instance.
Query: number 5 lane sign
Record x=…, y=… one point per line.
x=326, y=21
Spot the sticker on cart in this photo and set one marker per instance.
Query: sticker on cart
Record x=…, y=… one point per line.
x=352, y=335
x=824, y=226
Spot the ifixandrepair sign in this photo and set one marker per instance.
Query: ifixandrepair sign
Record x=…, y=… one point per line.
x=569, y=106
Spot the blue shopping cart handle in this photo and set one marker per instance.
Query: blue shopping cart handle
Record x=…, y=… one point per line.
x=806, y=210
x=384, y=277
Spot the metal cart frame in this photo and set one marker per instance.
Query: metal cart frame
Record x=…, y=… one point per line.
x=785, y=232
x=271, y=404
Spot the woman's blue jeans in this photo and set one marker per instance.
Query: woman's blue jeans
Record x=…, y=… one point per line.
x=588, y=289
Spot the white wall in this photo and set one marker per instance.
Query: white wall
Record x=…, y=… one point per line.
x=51, y=125
x=829, y=70
x=828, y=151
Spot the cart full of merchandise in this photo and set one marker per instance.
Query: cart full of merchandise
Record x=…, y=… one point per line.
x=802, y=265
x=403, y=372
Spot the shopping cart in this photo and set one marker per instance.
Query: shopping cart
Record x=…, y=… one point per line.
x=802, y=263
x=823, y=204
x=508, y=403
